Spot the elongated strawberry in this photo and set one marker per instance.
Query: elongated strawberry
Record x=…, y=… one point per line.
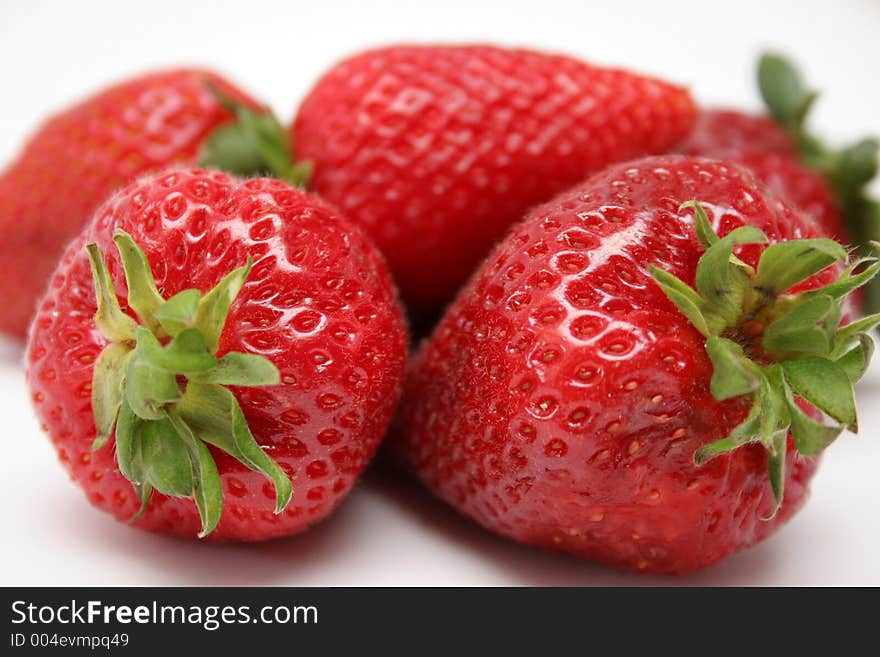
x=617, y=381
x=81, y=155
x=231, y=368
x=829, y=184
x=436, y=150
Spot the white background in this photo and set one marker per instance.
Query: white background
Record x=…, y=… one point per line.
x=389, y=532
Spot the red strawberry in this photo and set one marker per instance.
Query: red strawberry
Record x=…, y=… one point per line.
x=827, y=184
x=315, y=334
x=78, y=157
x=563, y=398
x=436, y=150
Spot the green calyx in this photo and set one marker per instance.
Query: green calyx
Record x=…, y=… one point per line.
x=254, y=144
x=161, y=387
x=848, y=170
x=772, y=347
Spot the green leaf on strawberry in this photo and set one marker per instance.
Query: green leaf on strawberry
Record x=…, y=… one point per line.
x=802, y=352
x=161, y=385
x=254, y=144
x=848, y=169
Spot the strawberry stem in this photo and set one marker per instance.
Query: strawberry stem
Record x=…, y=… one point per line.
x=160, y=384
x=848, y=170
x=800, y=353
x=255, y=143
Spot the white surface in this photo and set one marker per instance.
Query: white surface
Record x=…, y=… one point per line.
x=389, y=531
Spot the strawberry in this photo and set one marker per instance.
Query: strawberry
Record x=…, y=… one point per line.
x=436, y=150
x=827, y=184
x=242, y=337
x=78, y=157
x=581, y=395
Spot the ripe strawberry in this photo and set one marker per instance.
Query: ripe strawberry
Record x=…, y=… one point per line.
x=315, y=334
x=563, y=398
x=827, y=184
x=78, y=157
x=436, y=150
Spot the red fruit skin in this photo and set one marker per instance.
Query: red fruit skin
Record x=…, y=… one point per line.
x=77, y=158
x=436, y=150
x=562, y=397
x=318, y=303
x=764, y=147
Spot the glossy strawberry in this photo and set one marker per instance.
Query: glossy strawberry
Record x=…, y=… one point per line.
x=436, y=150
x=563, y=399
x=81, y=155
x=312, y=350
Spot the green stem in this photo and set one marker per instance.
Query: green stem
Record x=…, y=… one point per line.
x=811, y=356
x=254, y=144
x=161, y=387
